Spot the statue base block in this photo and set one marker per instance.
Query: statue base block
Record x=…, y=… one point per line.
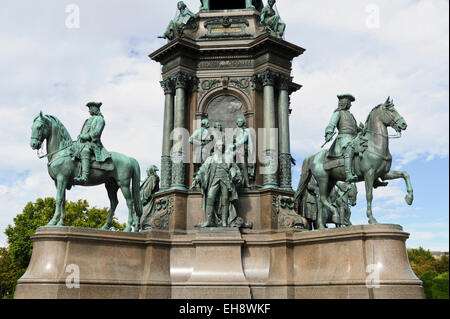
x=361, y=262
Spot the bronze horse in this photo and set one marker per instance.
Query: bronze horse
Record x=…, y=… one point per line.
x=374, y=163
x=62, y=168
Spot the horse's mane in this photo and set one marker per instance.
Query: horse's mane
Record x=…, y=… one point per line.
x=371, y=112
x=62, y=131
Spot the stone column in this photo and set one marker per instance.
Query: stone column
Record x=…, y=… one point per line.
x=284, y=147
x=270, y=140
x=178, y=165
x=166, y=162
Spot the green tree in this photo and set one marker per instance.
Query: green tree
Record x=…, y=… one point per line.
x=7, y=273
x=37, y=214
x=427, y=279
x=421, y=261
x=442, y=264
x=440, y=286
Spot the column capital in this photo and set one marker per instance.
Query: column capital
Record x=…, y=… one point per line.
x=268, y=77
x=183, y=80
x=167, y=86
x=271, y=78
x=284, y=82
x=180, y=80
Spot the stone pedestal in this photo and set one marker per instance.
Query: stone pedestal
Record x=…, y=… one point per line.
x=361, y=262
x=218, y=271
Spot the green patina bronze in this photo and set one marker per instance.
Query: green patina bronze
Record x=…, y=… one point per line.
x=243, y=146
x=148, y=188
x=341, y=197
x=372, y=162
x=348, y=129
x=176, y=27
x=218, y=178
x=66, y=159
x=200, y=140
x=272, y=21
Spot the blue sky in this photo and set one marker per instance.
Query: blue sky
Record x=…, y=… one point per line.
x=371, y=49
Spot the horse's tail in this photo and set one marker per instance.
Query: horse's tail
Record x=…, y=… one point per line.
x=135, y=187
x=304, y=178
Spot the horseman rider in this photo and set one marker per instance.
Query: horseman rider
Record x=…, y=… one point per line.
x=348, y=129
x=89, y=141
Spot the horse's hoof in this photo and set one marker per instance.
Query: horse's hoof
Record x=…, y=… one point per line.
x=52, y=222
x=373, y=221
x=409, y=199
x=105, y=227
x=127, y=229
x=60, y=224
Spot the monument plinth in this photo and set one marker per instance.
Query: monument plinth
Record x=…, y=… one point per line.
x=359, y=262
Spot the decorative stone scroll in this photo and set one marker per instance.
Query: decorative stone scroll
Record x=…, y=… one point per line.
x=283, y=210
x=160, y=219
x=242, y=84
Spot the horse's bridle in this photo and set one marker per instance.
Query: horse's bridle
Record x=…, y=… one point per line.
x=41, y=140
x=393, y=123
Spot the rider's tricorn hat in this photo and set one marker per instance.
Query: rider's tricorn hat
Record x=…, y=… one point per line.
x=347, y=96
x=97, y=104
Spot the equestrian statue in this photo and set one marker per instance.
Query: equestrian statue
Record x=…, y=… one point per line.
x=86, y=162
x=359, y=153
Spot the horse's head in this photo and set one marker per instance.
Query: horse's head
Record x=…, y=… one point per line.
x=39, y=131
x=391, y=117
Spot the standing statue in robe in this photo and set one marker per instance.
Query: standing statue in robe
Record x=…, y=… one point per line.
x=243, y=145
x=218, y=178
x=148, y=189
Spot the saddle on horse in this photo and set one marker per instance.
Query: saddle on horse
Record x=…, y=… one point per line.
x=336, y=158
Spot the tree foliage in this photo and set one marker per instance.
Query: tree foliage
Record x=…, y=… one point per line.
x=430, y=269
x=7, y=273
x=427, y=282
x=422, y=260
x=440, y=286
x=16, y=258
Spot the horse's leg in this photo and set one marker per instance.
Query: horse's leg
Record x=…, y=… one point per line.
x=63, y=210
x=398, y=174
x=369, y=179
x=112, y=189
x=61, y=184
x=130, y=204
